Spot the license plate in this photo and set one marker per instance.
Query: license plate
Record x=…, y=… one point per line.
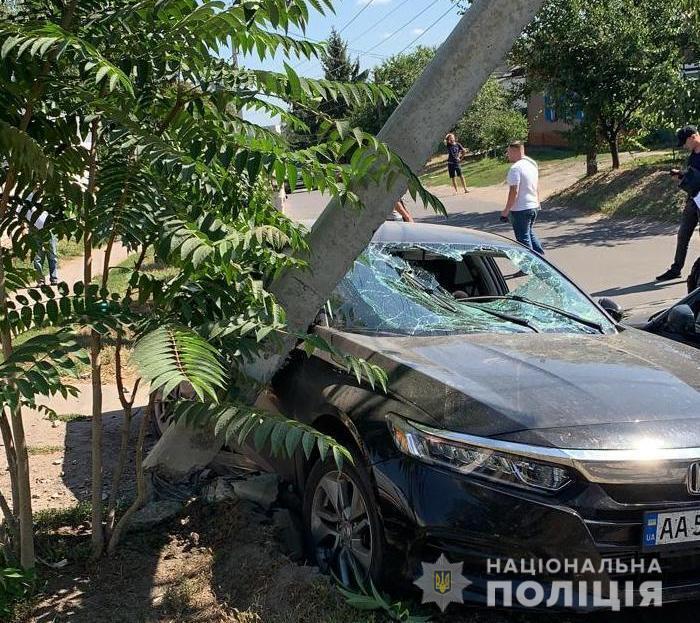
x=671, y=528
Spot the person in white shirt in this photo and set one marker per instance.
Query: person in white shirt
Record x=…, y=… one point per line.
x=523, y=198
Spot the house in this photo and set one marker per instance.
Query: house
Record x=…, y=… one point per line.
x=547, y=129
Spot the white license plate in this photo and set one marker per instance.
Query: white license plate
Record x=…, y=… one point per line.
x=671, y=528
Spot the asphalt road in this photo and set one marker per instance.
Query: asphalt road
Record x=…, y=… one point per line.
x=618, y=258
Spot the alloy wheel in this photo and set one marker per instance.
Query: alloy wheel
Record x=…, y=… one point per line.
x=341, y=530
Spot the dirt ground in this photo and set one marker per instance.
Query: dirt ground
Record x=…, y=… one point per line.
x=217, y=563
x=223, y=563
x=59, y=451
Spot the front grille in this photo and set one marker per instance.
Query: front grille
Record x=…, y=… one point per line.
x=650, y=493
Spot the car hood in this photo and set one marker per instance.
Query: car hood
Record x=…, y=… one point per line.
x=606, y=387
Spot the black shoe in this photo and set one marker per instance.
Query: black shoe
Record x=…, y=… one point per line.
x=669, y=274
x=54, y=282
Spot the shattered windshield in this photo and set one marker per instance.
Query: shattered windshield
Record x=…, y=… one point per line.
x=437, y=289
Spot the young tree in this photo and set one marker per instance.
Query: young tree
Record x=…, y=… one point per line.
x=607, y=59
x=125, y=118
x=492, y=120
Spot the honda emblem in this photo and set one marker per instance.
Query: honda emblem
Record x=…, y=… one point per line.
x=694, y=479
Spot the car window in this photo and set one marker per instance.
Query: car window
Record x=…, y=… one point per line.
x=409, y=289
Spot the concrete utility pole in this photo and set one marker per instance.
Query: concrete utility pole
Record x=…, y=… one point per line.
x=477, y=46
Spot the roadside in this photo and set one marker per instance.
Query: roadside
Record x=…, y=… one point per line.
x=641, y=188
x=492, y=171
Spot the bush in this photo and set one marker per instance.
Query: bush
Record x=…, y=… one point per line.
x=15, y=585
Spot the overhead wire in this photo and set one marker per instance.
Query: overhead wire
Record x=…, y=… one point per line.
x=380, y=21
x=400, y=28
x=354, y=17
x=421, y=35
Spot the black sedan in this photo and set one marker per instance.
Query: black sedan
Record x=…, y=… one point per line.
x=521, y=422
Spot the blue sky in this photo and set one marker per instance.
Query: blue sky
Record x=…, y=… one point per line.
x=374, y=30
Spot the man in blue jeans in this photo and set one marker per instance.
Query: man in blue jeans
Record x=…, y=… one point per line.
x=48, y=251
x=523, y=197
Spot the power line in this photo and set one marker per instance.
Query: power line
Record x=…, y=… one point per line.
x=354, y=17
x=435, y=23
x=400, y=28
x=384, y=18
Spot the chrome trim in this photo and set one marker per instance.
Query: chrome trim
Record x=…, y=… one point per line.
x=693, y=481
x=633, y=466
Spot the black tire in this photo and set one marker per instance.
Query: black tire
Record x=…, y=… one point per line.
x=694, y=277
x=162, y=408
x=371, y=537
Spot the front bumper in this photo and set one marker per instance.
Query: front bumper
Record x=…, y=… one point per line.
x=429, y=510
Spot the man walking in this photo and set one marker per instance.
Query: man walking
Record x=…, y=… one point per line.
x=688, y=138
x=523, y=197
x=455, y=153
x=49, y=251
x=401, y=212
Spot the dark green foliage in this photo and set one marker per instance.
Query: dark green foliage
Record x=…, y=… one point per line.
x=613, y=60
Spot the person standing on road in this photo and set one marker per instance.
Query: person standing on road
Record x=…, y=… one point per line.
x=401, y=212
x=31, y=212
x=48, y=251
x=688, y=138
x=455, y=153
x=523, y=197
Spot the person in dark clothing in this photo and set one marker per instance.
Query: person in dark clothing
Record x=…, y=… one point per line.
x=688, y=138
x=455, y=152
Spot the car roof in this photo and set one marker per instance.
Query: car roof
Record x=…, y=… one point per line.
x=394, y=231
x=413, y=233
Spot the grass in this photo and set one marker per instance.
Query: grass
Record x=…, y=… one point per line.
x=63, y=533
x=66, y=249
x=39, y=450
x=640, y=188
x=492, y=171
x=120, y=274
x=72, y=417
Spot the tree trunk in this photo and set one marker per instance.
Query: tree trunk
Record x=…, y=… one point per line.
x=11, y=457
x=591, y=161
x=127, y=406
x=96, y=446
x=614, y=151
x=26, y=527
x=476, y=47
x=140, y=481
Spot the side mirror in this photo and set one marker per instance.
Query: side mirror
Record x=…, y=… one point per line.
x=680, y=320
x=613, y=308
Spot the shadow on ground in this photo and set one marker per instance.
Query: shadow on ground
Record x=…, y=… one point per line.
x=572, y=227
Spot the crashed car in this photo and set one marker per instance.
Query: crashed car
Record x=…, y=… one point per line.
x=520, y=421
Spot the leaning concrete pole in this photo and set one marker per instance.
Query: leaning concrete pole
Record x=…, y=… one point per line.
x=464, y=62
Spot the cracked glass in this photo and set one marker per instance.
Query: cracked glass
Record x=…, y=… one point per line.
x=438, y=289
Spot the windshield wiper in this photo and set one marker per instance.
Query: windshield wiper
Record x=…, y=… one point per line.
x=514, y=319
x=446, y=301
x=562, y=312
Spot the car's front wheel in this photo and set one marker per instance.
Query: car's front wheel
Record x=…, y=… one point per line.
x=343, y=528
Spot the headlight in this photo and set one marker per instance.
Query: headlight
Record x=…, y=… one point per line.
x=473, y=460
